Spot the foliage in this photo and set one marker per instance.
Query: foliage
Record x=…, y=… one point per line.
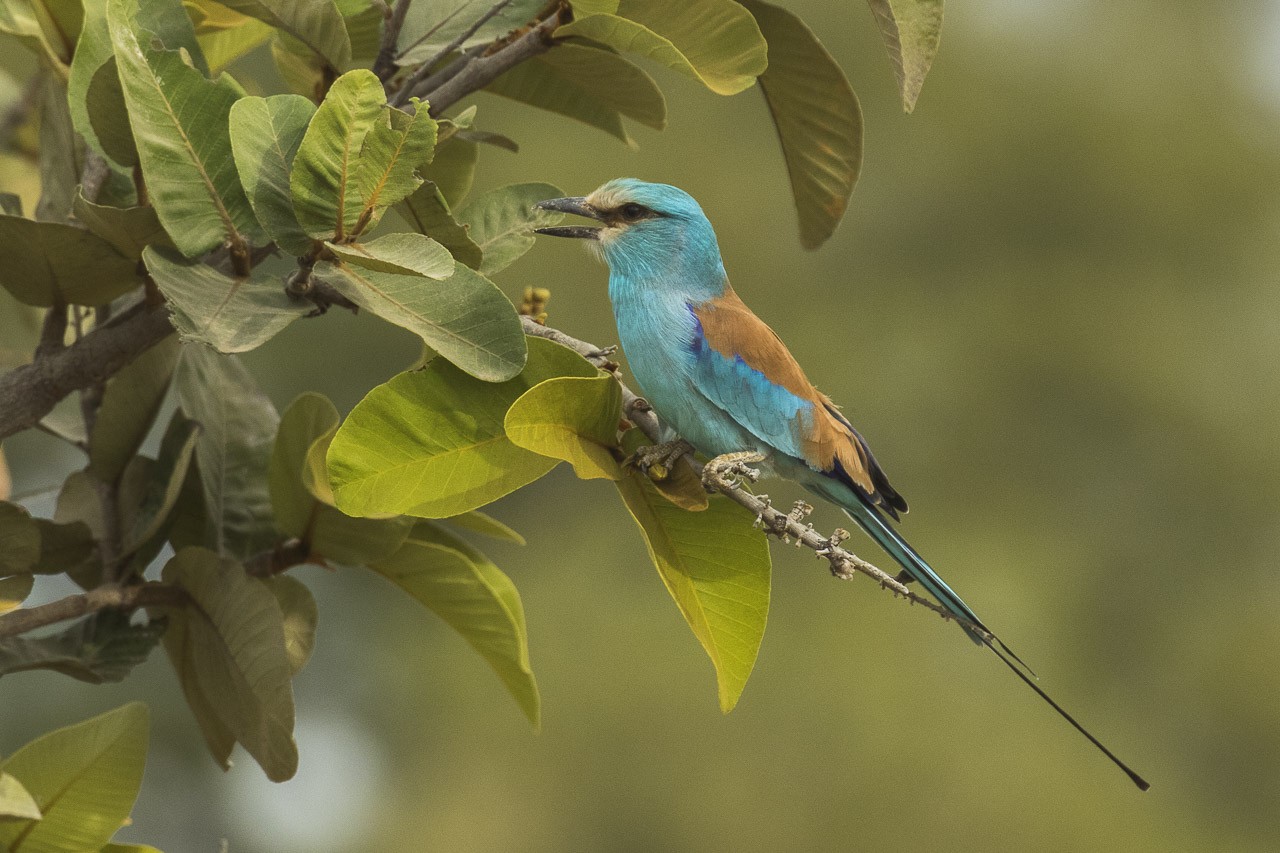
x=166, y=187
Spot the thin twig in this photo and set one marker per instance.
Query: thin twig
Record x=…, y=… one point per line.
x=844, y=564
x=433, y=30
x=385, y=65
x=425, y=68
x=153, y=594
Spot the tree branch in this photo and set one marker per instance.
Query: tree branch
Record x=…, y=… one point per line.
x=844, y=564
x=424, y=68
x=153, y=594
x=30, y=392
x=385, y=65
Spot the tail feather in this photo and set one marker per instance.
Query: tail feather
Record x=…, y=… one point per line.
x=877, y=527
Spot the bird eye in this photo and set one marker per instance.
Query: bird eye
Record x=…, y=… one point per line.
x=631, y=212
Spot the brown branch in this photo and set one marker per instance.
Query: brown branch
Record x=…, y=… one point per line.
x=30, y=392
x=153, y=594
x=844, y=564
x=424, y=68
x=385, y=64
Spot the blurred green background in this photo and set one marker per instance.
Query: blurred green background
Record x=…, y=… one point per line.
x=1053, y=309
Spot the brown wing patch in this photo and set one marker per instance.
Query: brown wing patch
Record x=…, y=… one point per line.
x=733, y=330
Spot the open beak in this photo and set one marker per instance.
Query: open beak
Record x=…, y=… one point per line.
x=577, y=206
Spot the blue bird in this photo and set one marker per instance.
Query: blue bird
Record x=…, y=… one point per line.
x=728, y=385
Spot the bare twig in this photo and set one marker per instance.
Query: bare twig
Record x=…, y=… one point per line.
x=151, y=594
x=844, y=564
x=424, y=68
x=385, y=65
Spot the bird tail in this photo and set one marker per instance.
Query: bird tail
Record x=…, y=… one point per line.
x=877, y=527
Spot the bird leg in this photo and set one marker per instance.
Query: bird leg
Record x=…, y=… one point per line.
x=657, y=460
x=716, y=473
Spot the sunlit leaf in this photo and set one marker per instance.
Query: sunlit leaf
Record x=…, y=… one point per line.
x=911, y=30
x=129, y=405
x=428, y=212
x=303, y=501
x=230, y=39
x=229, y=649
x=465, y=317
x=402, y=254
x=681, y=485
x=209, y=307
x=501, y=222
x=487, y=525
x=478, y=601
x=104, y=647
x=16, y=801
x=716, y=567
x=50, y=262
x=326, y=195
x=315, y=23
x=714, y=41
x=265, y=135
x=586, y=83
x=180, y=124
x=233, y=451
x=84, y=779
x=571, y=418
x=395, y=147
x=128, y=229
x=431, y=443
x=298, y=608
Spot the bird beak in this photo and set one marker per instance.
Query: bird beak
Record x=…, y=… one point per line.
x=577, y=206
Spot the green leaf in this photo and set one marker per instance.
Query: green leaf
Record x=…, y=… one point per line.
x=48, y=27
x=265, y=136
x=478, y=601
x=323, y=182
x=234, y=449
x=453, y=170
x=129, y=406
x=102, y=648
x=302, y=70
x=582, y=8
x=61, y=154
x=129, y=848
x=574, y=419
x=428, y=212
x=229, y=650
x=19, y=332
x=229, y=314
x=180, y=124
x=298, y=608
x=303, y=501
x=486, y=525
x=151, y=518
x=911, y=30
x=108, y=116
x=49, y=262
x=428, y=27
x=431, y=443
x=716, y=565
x=63, y=547
x=501, y=222
x=589, y=84
x=315, y=23
x=402, y=254
x=818, y=120
x=13, y=591
x=16, y=801
x=84, y=779
x=714, y=41
x=465, y=317
x=682, y=485
x=396, y=146
x=19, y=540
x=228, y=36
x=128, y=229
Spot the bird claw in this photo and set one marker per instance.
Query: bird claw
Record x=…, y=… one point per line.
x=658, y=460
x=721, y=468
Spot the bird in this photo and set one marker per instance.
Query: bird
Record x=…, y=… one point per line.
x=730, y=388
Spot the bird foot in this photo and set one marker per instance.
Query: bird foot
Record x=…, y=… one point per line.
x=716, y=474
x=839, y=567
x=657, y=460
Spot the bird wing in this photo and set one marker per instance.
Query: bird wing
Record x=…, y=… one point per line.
x=742, y=366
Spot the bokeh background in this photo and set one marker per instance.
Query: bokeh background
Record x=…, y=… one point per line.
x=1053, y=309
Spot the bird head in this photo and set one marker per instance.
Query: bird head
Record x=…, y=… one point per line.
x=644, y=228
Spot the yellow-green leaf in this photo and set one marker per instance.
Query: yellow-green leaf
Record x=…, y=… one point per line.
x=315, y=23
x=298, y=607
x=14, y=590
x=395, y=147
x=716, y=566
x=265, y=135
x=478, y=601
x=714, y=41
x=427, y=212
x=911, y=30
x=230, y=644
x=431, y=442
x=485, y=525
x=574, y=419
x=16, y=801
x=402, y=254
x=84, y=779
x=681, y=485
